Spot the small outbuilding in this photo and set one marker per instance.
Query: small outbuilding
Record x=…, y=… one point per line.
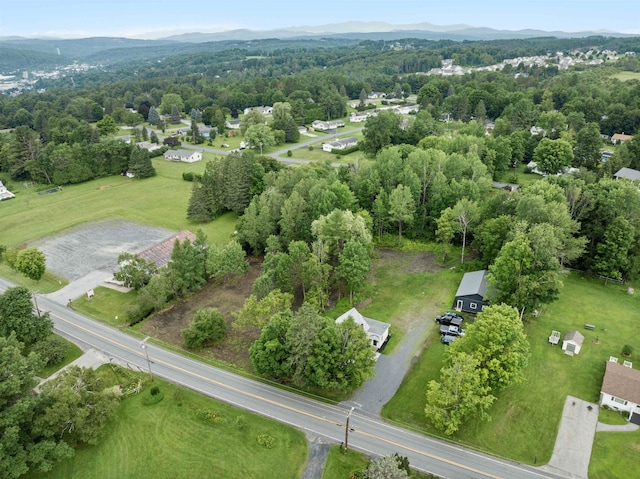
x=377, y=331
x=471, y=293
x=572, y=342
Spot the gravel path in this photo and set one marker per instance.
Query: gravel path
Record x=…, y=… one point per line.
x=318, y=452
x=390, y=371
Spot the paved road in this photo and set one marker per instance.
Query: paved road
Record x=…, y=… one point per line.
x=276, y=154
x=367, y=434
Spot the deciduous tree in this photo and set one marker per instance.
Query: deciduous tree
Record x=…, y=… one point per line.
x=32, y=263
x=135, y=272
x=16, y=316
x=207, y=326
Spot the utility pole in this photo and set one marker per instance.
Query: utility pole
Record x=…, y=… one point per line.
x=143, y=345
x=346, y=431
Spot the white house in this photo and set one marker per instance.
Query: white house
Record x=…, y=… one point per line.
x=146, y=145
x=572, y=342
x=621, y=389
x=341, y=144
x=5, y=194
x=376, y=94
x=232, y=124
x=186, y=156
x=377, y=331
x=358, y=118
x=327, y=125
x=620, y=138
x=265, y=110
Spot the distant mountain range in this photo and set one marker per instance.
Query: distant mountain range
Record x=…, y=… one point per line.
x=381, y=31
x=19, y=53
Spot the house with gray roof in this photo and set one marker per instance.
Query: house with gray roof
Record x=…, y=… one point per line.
x=572, y=342
x=377, y=331
x=186, y=156
x=628, y=173
x=341, y=144
x=471, y=293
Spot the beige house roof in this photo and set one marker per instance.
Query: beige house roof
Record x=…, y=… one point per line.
x=621, y=382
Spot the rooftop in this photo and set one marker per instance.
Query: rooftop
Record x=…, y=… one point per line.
x=160, y=253
x=472, y=283
x=371, y=326
x=621, y=382
x=628, y=173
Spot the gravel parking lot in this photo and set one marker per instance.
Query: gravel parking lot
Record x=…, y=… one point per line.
x=96, y=246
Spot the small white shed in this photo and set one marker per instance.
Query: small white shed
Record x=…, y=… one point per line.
x=572, y=342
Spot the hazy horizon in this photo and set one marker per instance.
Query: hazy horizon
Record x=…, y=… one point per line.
x=158, y=18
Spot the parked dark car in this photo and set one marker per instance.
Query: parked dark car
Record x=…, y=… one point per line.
x=447, y=339
x=451, y=330
x=449, y=319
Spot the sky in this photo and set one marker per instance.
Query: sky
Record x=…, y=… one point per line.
x=145, y=18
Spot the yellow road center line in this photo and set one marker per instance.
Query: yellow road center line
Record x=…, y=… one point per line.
x=270, y=401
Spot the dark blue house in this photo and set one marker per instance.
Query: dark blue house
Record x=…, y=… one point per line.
x=470, y=296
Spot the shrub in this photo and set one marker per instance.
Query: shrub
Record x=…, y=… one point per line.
x=10, y=256
x=207, y=326
x=310, y=147
x=289, y=153
x=154, y=390
x=267, y=441
x=627, y=350
x=51, y=350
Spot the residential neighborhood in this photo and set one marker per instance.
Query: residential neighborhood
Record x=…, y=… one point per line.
x=332, y=253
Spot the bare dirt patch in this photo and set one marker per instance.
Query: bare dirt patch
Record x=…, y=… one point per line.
x=96, y=246
x=227, y=298
x=420, y=262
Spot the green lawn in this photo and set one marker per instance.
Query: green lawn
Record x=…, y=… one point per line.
x=626, y=76
x=340, y=465
x=525, y=417
x=107, y=305
x=615, y=455
x=168, y=439
x=523, y=178
x=611, y=416
x=49, y=282
x=160, y=201
x=73, y=353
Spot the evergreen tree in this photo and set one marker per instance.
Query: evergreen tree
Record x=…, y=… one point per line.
x=200, y=206
x=196, y=136
x=154, y=137
x=140, y=163
x=175, y=114
x=154, y=116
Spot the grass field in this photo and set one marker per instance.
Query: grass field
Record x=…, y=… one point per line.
x=525, y=417
x=522, y=177
x=340, y=465
x=49, y=282
x=170, y=439
x=107, y=305
x=159, y=201
x=626, y=76
x=614, y=455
